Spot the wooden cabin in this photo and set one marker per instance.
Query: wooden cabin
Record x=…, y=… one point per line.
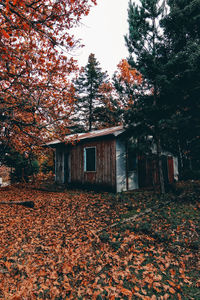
x=102, y=160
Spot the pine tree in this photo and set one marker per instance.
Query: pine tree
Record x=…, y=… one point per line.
x=182, y=68
x=147, y=116
x=87, y=87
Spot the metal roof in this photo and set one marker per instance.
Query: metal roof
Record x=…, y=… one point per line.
x=114, y=131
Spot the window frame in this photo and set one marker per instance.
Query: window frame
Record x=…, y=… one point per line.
x=85, y=159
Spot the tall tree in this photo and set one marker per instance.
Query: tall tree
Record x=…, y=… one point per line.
x=182, y=68
x=88, y=92
x=35, y=92
x=147, y=115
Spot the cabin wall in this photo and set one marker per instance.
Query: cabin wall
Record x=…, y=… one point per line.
x=133, y=179
x=105, y=174
x=148, y=170
x=175, y=165
x=121, y=165
x=112, y=171
x=126, y=180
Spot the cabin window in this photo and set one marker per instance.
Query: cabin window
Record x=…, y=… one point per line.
x=90, y=159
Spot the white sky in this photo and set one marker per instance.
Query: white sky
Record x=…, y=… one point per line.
x=102, y=32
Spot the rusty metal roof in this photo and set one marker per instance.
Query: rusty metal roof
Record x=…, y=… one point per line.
x=114, y=131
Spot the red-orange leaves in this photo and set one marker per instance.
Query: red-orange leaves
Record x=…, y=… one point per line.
x=5, y=33
x=37, y=98
x=126, y=292
x=57, y=249
x=132, y=76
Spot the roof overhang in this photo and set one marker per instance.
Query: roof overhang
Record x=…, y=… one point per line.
x=74, y=138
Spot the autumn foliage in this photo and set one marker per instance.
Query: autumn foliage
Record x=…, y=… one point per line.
x=128, y=74
x=36, y=96
x=127, y=82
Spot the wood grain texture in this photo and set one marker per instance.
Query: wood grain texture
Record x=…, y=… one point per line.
x=105, y=173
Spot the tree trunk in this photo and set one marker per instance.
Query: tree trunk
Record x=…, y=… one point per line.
x=29, y=204
x=180, y=160
x=90, y=115
x=160, y=170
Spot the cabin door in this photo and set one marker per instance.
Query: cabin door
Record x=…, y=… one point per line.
x=59, y=166
x=62, y=166
x=147, y=172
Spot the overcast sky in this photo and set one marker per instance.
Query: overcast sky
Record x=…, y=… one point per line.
x=102, y=32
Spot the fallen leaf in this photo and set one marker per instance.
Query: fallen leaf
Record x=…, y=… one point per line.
x=172, y=291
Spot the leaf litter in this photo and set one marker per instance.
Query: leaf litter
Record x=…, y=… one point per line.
x=54, y=250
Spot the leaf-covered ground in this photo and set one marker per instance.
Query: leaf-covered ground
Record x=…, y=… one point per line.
x=65, y=247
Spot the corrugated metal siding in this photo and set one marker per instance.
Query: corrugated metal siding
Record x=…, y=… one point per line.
x=105, y=174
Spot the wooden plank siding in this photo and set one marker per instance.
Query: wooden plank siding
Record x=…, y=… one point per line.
x=105, y=174
x=148, y=171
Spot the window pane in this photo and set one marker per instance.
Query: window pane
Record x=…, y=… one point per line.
x=90, y=159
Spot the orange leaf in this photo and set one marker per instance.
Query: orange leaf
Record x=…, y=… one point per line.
x=143, y=291
x=171, y=283
x=198, y=283
x=126, y=292
x=171, y=290
x=173, y=272
x=41, y=273
x=53, y=275
x=139, y=295
x=136, y=288
x=6, y=35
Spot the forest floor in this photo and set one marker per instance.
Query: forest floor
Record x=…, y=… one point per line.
x=85, y=245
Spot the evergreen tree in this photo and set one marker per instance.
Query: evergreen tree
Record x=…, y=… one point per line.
x=87, y=87
x=147, y=116
x=182, y=68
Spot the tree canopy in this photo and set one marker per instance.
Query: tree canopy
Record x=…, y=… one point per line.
x=36, y=95
x=88, y=92
x=145, y=44
x=182, y=68
x=163, y=42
